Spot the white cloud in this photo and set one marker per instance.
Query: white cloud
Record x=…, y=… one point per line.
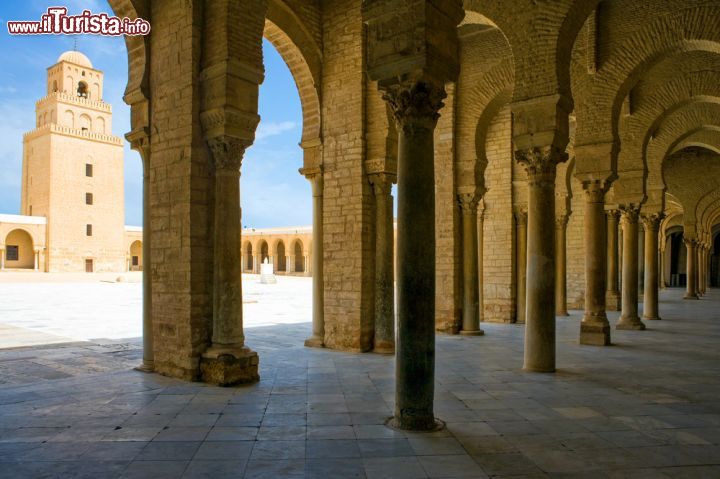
x=272, y=128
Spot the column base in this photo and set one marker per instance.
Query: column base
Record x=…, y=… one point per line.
x=471, y=332
x=562, y=313
x=655, y=318
x=613, y=301
x=229, y=366
x=630, y=324
x=538, y=369
x=384, y=347
x=146, y=367
x=689, y=296
x=415, y=423
x=595, y=333
x=314, y=342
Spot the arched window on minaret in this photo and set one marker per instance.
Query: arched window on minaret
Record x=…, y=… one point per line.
x=69, y=119
x=100, y=125
x=85, y=122
x=96, y=91
x=82, y=90
x=54, y=87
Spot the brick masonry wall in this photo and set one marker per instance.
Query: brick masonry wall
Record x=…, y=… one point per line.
x=499, y=225
x=180, y=194
x=348, y=243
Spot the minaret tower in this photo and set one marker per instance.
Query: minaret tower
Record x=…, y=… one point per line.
x=73, y=170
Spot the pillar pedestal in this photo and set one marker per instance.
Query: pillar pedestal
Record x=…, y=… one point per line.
x=471, y=314
x=595, y=328
x=317, y=340
x=650, y=293
x=691, y=246
x=521, y=264
x=228, y=361
x=415, y=105
x=560, y=266
x=612, y=295
x=629, y=318
x=384, y=342
x=540, y=164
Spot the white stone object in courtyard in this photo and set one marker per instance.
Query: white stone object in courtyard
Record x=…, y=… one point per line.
x=267, y=274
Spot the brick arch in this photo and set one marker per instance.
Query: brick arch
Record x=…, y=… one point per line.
x=689, y=117
x=138, y=89
x=653, y=109
x=690, y=29
x=542, y=61
x=706, y=136
x=707, y=208
x=477, y=109
x=680, y=172
x=285, y=31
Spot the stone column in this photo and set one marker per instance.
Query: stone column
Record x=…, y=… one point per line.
x=651, y=223
x=36, y=259
x=317, y=340
x=306, y=264
x=140, y=142
x=612, y=296
x=703, y=258
x=521, y=265
x=384, y=275
x=629, y=318
x=415, y=105
x=691, y=245
x=662, y=264
x=471, y=316
x=228, y=361
x=595, y=329
x=560, y=266
x=480, y=237
x=257, y=261
x=540, y=164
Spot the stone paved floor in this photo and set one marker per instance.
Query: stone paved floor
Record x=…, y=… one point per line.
x=646, y=407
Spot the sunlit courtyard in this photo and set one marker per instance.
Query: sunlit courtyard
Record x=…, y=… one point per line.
x=57, y=308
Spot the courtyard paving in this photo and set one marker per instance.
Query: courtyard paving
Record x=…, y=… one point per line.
x=646, y=407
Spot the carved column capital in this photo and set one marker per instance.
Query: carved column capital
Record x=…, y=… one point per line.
x=612, y=214
x=561, y=221
x=521, y=217
x=630, y=214
x=381, y=182
x=468, y=202
x=315, y=177
x=651, y=221
x=595, y=190
x=227, y=153
x=140, y=141
x=690, y=242
x=540, y=163
x=415, y=105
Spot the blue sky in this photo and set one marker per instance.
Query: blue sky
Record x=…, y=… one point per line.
x=273, y=193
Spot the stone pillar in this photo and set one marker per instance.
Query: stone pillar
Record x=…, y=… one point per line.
x=471, y=316
x=650, y=297
x=595, y=329
x=521, y=264
x=612, y=296
x=227, y=361
x=306, y=264
x=629, y=318
x=36, y=258
x=691, y=245
x=317, y=340
x=703, y=259
x=257, y=261
x=2, y=259
x=540, y=164
x=560, y=266
x=140, y=142
x=641, y=262
x=384, y=274
x=662, y=264
x=480, y=237
x=415, y=105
